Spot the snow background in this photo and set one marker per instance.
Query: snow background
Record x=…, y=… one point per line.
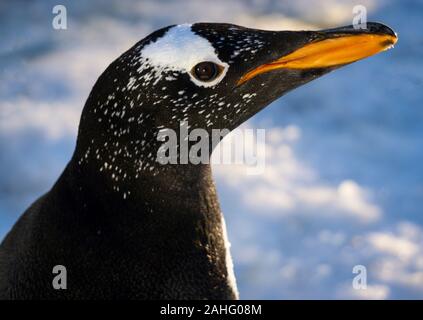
x=343, y=183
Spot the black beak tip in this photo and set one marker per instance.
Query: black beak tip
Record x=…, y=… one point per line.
x=369, y=27
x=379, y=28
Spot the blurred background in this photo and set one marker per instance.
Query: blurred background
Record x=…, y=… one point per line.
x=343, y=183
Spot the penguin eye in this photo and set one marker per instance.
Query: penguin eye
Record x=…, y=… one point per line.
x=206, y=71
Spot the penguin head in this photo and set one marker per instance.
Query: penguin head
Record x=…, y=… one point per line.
x=213, y=76
x=216, y=75
x=219, y=75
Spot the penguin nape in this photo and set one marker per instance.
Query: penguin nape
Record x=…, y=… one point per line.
x=128, y=227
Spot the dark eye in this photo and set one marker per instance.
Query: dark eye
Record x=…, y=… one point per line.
x=206, y=71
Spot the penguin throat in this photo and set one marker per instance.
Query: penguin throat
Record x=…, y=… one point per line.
x=123, y=168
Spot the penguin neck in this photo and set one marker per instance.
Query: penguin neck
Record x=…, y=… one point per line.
x=173, y=216
x=119, y=170
x=165, y=185
x=174, y=203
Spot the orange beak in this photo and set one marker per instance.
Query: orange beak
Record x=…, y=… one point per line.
x=330, y=52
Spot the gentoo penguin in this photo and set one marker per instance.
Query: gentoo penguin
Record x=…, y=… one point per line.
x=123, y=224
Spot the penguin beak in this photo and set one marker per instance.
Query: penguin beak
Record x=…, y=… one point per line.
x=331, y=48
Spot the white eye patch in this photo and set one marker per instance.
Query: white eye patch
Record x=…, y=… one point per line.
x=180, y=49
